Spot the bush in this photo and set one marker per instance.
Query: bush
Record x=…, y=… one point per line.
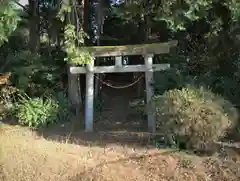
x=194, y=116
x=6, y=94
x=167, y=80
x=33, y=73
x=41, y=111
x=64, y=113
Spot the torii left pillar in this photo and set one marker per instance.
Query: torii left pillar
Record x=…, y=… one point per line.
x=89, y=101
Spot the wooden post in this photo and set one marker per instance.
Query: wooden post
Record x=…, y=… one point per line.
x=149, y=78
x=89, y=102
x=73, y=90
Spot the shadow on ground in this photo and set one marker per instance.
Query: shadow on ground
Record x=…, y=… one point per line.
x=70, y=133
x=116, y=124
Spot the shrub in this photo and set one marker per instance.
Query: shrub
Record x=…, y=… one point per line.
x=33, y=73
x=167, y=80
x=41, y=111
x=6, y=94
x=64, y=106
x=195, y=116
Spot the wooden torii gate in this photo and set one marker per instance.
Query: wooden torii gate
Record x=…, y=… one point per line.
x=146, y=50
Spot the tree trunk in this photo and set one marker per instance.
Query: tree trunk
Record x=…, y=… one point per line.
x=34, y=38
x=73, y=79
x=85, y=18
x=99, y=14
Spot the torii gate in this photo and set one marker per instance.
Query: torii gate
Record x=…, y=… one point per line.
x=146, y=50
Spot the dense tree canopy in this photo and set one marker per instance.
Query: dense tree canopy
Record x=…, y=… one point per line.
x=8, y=19
x=207, y=31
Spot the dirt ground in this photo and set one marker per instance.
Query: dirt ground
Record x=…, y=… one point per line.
x=64, y=153
x=27, y=156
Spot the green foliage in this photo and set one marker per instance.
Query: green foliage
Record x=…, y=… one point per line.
x=169, y=79
x=33, y=73
x=74, y=40
x=35, y=112
x=194, y=116
x=76, y=54
x=64, y=104
x=178, y=14
x=234, y=7
x=8, y=20
x=65, y=8
x=41, y=111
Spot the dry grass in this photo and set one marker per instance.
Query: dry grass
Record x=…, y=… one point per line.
x=24, y=156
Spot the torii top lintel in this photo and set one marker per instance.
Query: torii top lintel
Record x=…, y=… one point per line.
x=139, y=49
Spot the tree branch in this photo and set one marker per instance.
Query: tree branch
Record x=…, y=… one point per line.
x=22, y=6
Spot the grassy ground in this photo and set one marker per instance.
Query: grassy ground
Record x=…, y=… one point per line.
x=26, y=156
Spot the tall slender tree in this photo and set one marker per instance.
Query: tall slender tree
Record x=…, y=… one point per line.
x=34, y=22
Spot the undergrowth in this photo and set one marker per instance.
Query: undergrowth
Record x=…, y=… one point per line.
x=194, y=117
x=41, y=111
